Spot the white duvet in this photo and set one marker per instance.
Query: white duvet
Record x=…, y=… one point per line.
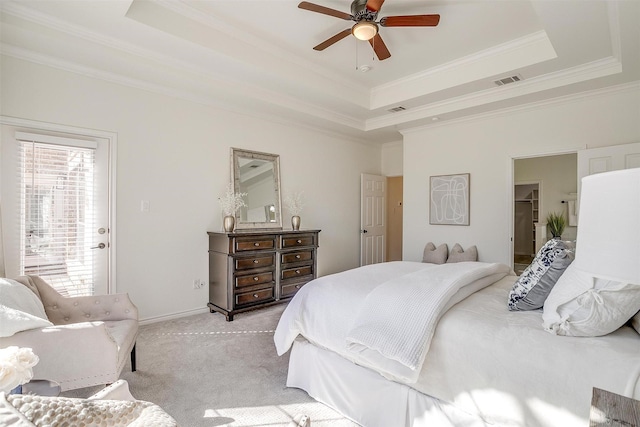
x=382, y=316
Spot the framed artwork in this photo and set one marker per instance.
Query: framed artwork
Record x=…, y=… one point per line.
x=449, y=199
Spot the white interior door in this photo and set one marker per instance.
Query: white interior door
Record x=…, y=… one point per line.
x=605, y=159
x=55, y=208
x=373, y=191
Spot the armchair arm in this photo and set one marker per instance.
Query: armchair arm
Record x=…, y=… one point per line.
x=74, y=356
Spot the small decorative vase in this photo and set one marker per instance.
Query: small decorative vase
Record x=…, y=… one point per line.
x=295, y=222
x=229, y=223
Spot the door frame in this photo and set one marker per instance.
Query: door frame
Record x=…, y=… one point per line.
x=112, y=139
x=510, y=207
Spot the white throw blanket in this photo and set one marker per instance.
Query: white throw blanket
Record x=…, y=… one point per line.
x=393, y=329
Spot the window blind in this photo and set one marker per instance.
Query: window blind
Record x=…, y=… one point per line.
x=57, y=211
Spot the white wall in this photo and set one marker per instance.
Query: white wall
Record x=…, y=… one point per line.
x=484, y=147
x=392, y=159
x=175, y=154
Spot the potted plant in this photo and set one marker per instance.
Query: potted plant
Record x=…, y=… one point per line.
x=556, y=224
x=295, y=203
x=230, y=203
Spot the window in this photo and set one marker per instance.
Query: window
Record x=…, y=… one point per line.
x=57, y=211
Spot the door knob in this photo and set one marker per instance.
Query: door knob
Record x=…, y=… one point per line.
x=364, y=231
x=100, y=246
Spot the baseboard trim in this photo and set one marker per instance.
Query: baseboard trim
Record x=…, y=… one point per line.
x=172, y=316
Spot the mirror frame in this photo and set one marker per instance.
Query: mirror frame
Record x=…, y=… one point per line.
x=236, y=155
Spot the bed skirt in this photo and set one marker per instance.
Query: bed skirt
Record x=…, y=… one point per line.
x=366, y=397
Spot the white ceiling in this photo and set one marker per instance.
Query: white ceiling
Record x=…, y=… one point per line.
x=256, y=56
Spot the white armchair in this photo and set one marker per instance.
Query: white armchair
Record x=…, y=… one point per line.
x=89, y=341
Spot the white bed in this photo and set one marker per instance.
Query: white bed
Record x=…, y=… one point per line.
x=485, y=365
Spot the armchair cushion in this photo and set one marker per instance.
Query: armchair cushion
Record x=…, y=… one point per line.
x=20, y=309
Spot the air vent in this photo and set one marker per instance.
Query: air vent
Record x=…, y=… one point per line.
x=396, y=109
x=507, y=80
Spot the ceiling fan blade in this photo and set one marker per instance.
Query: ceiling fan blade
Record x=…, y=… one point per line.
x=324, y=10
x=379, y=48
x=374, y=5
x=325, y=44
x=410, y=21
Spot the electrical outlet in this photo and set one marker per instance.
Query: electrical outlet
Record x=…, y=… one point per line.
x=196, y=283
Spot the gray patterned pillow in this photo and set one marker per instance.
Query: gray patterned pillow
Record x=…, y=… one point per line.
x=533, y=286
x=635, y=322
x=460, y=255
x=435, y=255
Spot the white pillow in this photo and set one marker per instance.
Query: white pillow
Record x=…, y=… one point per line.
x=20, y=309
x=585, y=306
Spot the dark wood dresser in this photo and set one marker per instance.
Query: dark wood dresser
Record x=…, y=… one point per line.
x=254, y=269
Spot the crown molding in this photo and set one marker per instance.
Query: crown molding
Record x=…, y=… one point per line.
x=524, y=51
x=592, y=70
x=250, y=38
x=241, y=89
x=532, y=106
x=25, y=13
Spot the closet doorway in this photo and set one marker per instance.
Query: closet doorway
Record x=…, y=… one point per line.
x=526, y=215
x=557, y=179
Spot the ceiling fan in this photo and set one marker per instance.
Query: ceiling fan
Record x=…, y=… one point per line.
x=365, y=13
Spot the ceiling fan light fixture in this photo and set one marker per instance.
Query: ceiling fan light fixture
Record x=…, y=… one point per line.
x=365, y=30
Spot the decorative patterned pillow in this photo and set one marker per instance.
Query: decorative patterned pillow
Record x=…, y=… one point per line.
x=435, y=255
x=581, y=305
x=532, y=287
x=460, y=255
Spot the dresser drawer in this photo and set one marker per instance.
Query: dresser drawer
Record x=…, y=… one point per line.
x=253, y=279
x=254, y=297
x=291, y=273
x=255, y=243
x=259, y=261
x=295, y=240
x=296, y=257
x=288, y=290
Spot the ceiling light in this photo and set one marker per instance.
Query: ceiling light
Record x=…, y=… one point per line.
x=365, y=30
x=365, y=68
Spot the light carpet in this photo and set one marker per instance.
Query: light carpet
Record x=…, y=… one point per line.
x=205, y=371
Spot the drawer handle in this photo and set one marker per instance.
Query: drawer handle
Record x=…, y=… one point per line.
x=298, y=241
x=255, y=295
x=256, y=244
x=297, y=271
x=297, y=256
x=255, y=261
x=255, y=279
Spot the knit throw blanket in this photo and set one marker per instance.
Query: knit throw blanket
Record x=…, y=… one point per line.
x=392, y=331
x=19, y=410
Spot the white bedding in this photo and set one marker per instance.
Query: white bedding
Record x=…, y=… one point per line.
x=483, y=359
x=392, y=331
x=332, y=310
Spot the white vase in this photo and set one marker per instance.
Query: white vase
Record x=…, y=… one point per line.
x=229, y=223
x=295, y=222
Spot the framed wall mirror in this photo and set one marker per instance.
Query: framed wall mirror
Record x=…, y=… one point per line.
x=258, y=175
